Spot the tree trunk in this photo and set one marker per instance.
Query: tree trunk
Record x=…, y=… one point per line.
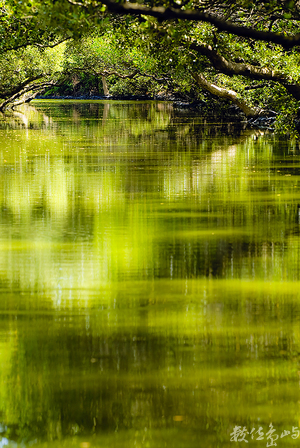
x=230, y=68
x=231, y=95
x=25, y=94
x=104, y=85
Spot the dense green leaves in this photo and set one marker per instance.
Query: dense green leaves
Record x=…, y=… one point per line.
x=143, y=53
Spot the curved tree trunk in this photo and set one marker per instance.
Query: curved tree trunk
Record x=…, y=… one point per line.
x=25, y=94
x=231, y=95
x=250, y=71
x=230, y=68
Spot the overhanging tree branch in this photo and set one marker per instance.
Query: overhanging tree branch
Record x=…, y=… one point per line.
x=107, y=73
x=14, y=90
x=30, y=88
x=119, y=75
x=35, y=44
x=250, y=71
x=237, y=68
x=170, y=13
x=231, y=95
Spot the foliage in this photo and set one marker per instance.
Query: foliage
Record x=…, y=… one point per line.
x=29, y=62
x=146, y=53
x=123, y=63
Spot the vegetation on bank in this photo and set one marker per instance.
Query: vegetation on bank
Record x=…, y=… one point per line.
x=242, y=53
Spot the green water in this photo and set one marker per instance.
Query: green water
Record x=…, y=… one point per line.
x=149, y=277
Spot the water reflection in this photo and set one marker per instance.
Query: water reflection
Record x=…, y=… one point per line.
x=149, y=271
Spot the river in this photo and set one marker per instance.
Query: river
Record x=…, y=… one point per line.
x=150, y=279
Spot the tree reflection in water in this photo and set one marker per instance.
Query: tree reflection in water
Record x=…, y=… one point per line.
x=149, y=270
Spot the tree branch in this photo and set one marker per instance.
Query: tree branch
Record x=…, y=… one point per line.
x=35, y=44
x=29, y=88
x=19, y=87
x=107, y=73
x=231, y=95
x=163, y=13
x=237, y=68
x=250, y=71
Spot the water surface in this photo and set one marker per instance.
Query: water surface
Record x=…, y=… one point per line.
x=149, y=277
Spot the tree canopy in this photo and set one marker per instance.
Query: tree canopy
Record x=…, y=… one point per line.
x=246, y=52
